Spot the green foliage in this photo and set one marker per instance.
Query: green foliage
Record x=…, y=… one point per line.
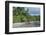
x=19, y=14
x=22, y=15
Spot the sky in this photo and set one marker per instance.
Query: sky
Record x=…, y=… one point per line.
x=34, y=11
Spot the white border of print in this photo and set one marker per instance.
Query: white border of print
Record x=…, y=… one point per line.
x=11, y=29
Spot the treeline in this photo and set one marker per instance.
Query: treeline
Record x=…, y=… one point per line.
x=34, y=18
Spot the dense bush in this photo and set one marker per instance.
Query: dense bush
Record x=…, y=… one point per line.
x=22, y=15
